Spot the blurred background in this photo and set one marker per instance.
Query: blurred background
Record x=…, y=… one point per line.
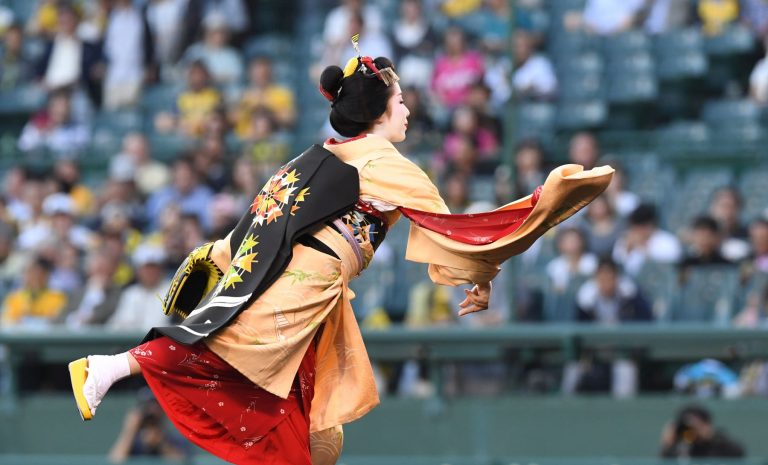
x=634, y=333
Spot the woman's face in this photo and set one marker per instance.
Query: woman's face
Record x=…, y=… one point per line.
x=394, y=122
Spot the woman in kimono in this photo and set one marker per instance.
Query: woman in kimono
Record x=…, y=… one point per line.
x=275, y=384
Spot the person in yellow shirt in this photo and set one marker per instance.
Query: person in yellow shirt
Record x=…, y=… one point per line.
x=34, y=303
x=262, y=92
x=193, y=105
x=715, y=15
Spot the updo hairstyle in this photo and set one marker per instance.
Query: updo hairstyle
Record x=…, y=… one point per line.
x=357, y=100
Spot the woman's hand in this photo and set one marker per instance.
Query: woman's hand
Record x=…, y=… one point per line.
x=477, y=299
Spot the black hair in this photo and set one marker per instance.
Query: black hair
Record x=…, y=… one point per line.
x=358, y=100
x=696, y=411
x=607, y=263
x=705, y=222
x=644, y=214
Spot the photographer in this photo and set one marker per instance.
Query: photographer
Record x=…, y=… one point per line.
x=692, y=434
x=144, y=433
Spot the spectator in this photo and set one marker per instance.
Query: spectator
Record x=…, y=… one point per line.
x=264, y=144
x=263, y=93
x=93, y=304
x=193, y=105
x=493, y=25
x=15, y=69
x=602, y=227
x=465, y=126
x=479, y=100
x=705, y=246
x=755, y=312
x=54, y=128
x=666, y=15
x=209, y=161
x=584, y=150
x=246, y=181
x=145, y=434
x=573, y=260
x=66, y=174
x=725, y=208
x=12, y=260
x=186, y=191
x=65, y=276
x=529, y=171
x=135, y=161
x=611, y=298
x=606, y=17
x=758, y=79
x=693, y=435
x=534, y=76
x=456, y=190
x=421, y=127
x=165, y=19
x=757, y=262
x=128, y=50
x=14, y=183
x=70, y=62
x=373, y=41
x=754, y=13
x=139, y=309
x=224, y=215
x=645, y=241
x=58, y=225
x=414, y=43
x=34, y=304
x=45, y=19
x=716, y=15
x=337, y=22
x=222, y=61
x=622, y=200
x=456, y=69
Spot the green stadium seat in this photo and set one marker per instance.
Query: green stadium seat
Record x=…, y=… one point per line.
x=166, y=147
x=560, y=304
x=683, y=136
x=658, y=284
x=685, y=65
x=631, y=62
x=581, y=115
x=534, y=118
x=735, y=40
x=632, y=88
x=707, y=295
x=677, y=40
x=618, y=45
x=754, y=191
x=579, y=87
x=160, y=97
x=270, y=45
x=721, y=113
x=26, y=99
x=587, y=62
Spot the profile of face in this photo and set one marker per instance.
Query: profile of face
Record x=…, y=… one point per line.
x=59, y=109
x=394, y=122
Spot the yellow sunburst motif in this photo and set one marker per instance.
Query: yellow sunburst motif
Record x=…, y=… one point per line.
x=242, y=262
x=274, y=196
x=299, y=198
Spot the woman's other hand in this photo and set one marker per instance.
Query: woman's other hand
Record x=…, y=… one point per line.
x=477, y=299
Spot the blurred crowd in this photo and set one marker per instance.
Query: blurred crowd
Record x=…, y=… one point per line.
x=90, y=232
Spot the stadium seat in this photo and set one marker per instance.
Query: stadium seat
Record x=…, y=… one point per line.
x=631, y=62
x=731, y=112
x=270, y=45
x=683, y=136
x=560, y=304
x=587, y=62
x=658, y=284
x=579, y=87
x=680, y=54
x=26, y=99
x=734, y=40
x=625, y=43
x=754, y=191
x=581, y=115
x=707, y=295
x=534, y=119
x=632, y=87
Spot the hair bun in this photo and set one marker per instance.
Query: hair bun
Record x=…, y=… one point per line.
x=383, y=62
x=330, y=82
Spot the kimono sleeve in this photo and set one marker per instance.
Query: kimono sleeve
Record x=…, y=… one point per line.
x=395, y=180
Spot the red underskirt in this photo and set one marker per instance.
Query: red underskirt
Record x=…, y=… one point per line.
x=221, y=411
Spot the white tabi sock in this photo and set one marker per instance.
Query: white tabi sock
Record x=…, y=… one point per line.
x=103, y=372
